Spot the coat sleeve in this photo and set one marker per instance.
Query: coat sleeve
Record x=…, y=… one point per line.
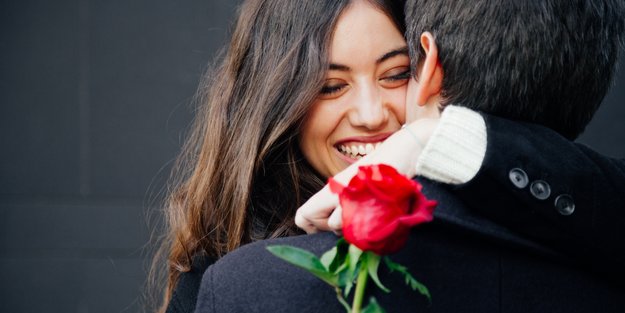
x=552, y=190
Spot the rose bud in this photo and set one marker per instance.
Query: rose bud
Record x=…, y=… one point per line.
x=379, y=208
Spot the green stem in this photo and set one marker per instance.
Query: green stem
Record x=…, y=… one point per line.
x=361, y=283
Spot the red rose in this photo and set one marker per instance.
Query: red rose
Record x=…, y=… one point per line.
x=379, y=208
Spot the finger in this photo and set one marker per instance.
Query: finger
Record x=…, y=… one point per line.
x=335, y=221
x=312, y=221
x=303, y=223
x=313, y=215
x=316, y=224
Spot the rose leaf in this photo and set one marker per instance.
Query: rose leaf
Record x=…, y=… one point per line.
x=304, y=259
x=373, y=307
x=373, y=262
x=409, y=279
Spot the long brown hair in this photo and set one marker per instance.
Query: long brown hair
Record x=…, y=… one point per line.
x=241, y=175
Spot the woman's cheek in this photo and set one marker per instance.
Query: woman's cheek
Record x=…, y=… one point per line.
x=397, y=100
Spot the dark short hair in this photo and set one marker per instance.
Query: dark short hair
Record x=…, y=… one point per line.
x=549, y=62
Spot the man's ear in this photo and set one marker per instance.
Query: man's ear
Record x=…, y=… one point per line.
x=429, y=73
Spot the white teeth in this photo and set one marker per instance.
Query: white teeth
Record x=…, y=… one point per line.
x=361, y=149
x=358, y=151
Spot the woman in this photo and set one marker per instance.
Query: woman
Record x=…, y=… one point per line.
x=253, y=157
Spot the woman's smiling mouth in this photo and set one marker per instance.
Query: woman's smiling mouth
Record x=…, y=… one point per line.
x=358, y=150
x=354, y=148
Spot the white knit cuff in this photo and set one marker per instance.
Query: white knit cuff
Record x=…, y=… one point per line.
x=455, y=152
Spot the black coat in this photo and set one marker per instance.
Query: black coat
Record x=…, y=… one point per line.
x=517, y=156
x=468, y=264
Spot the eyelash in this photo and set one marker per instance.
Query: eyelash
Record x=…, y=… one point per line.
x=400, y=76
x=328, y=90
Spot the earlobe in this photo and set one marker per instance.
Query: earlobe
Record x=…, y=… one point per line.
x=430, y=72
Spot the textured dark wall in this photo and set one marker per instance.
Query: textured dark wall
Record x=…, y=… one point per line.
x=94, y=99
x=94, y=96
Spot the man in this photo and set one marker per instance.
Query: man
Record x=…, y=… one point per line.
x=546, y=62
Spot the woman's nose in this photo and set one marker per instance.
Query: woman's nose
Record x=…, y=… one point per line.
x=368, y=109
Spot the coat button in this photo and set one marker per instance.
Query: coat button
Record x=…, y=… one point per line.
x=565, y=205
x=518, y=178
x=540, y=189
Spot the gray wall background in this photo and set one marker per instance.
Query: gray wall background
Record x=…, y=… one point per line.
x=94, y=100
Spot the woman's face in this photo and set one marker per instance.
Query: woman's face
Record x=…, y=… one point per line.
x=363, y=98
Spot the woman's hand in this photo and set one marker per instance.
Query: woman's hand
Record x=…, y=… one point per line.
x=322, y=211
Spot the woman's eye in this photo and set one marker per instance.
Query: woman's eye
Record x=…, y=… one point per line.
x=401, y=76
x=333, y=88
x=396, y=78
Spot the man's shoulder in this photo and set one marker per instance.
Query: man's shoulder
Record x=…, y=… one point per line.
x=254, y=272
x=254, y=259
x=316, y=243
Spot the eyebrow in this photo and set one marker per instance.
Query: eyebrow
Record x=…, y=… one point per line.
x=390, y=54
x=339, y=67
x=386, y=56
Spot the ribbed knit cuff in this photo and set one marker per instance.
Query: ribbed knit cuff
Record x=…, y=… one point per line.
x=455, y=152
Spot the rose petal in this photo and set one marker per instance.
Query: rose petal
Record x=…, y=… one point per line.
x=379, y=208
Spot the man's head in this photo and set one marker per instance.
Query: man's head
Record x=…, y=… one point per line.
x=549, y=62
